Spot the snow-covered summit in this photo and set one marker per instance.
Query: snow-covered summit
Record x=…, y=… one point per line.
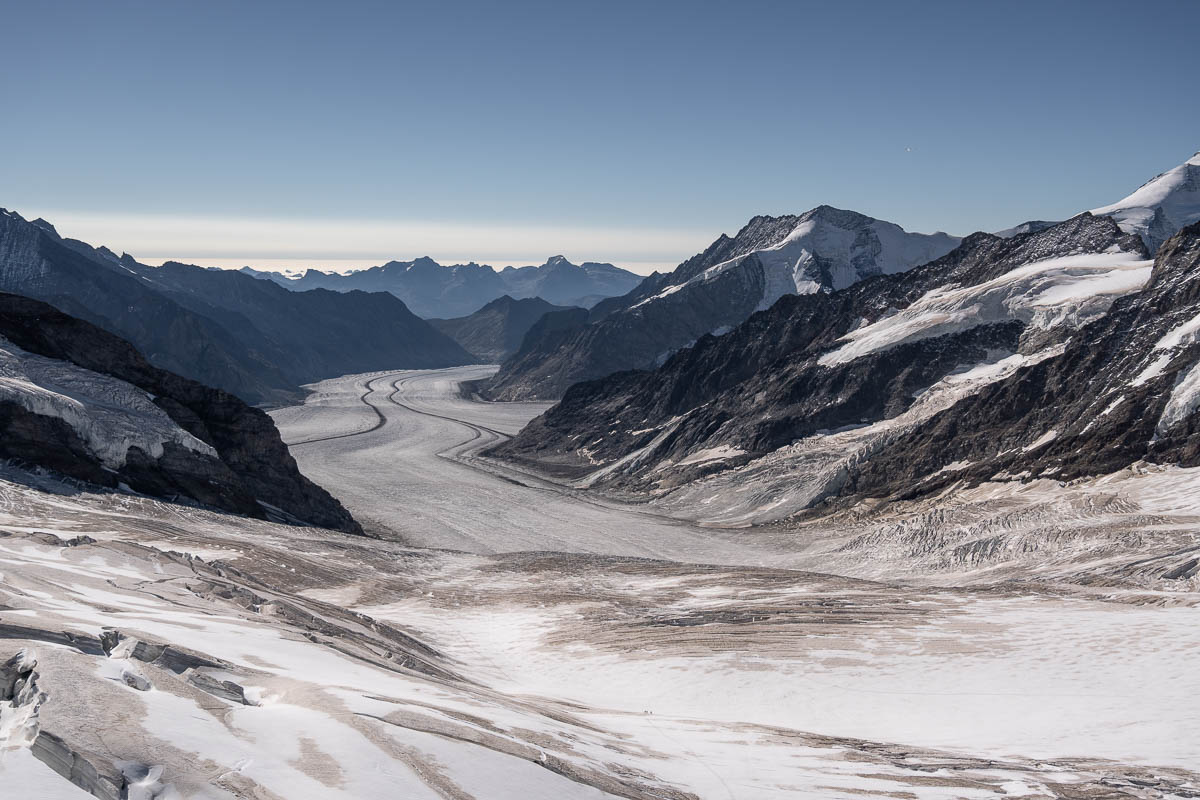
x=824, y=249
x=1162, y=206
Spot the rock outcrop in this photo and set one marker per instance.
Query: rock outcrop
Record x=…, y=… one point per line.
x=1126, y=389
x=189, y=440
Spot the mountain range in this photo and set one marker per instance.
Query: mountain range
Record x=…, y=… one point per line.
x=495, y=332
x=222, y=328
x=431, y=290
x=1053, y=350
x=821, y=250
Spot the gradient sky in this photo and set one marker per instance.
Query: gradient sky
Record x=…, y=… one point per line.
x=346, y=133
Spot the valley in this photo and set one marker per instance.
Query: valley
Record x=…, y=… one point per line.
x=594, y=401
x=400, y=449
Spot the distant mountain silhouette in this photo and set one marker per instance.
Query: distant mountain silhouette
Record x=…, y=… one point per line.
x=431, y=290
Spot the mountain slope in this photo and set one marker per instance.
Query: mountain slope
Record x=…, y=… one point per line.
x=819, y=251
x=435, y=291
x=83, y=402
x=314, y=334
x=36, y=263
x=495, y=332
x=223, y=329
x=798, y=395
x=1126, y=389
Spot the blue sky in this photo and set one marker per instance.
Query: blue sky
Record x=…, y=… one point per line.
x=342, y=133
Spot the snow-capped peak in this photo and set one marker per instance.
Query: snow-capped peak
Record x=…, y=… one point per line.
x=1161, y=206
x=829, y=248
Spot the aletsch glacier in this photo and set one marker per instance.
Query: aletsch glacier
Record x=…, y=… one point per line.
x=891, y=533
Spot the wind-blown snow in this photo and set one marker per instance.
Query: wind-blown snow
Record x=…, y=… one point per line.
x=108, y=414
x=1072, y=290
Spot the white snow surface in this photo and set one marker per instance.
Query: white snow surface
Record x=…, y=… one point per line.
x=940, y=670
x=108, y=414
x=1175, y=195
x=719, y=453
x=1072, y=290
x=1043, y=440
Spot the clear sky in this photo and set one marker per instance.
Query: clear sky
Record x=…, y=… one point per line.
x=342, y=133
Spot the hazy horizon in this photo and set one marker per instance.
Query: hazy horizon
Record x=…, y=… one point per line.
x=628, y=133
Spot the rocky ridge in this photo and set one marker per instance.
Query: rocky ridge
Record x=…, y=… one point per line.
x=84, y=403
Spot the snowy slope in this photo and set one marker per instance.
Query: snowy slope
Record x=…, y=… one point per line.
x=1162, y=206
x=1072, y=290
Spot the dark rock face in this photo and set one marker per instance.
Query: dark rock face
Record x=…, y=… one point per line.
x=495, y=332
x=253, y=472
x=221, y=328
x=821, y=250
x=763, y=385
x=1105, y=398
x=435, y=291
x=309, y=335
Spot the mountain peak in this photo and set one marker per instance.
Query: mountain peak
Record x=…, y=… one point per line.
x=44, y=225
x=1161, y=206
x=424, y=263
x=503, y=301
x=558, y=261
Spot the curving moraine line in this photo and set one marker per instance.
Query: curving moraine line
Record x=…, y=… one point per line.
x=380, y=419
x=528, y=481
